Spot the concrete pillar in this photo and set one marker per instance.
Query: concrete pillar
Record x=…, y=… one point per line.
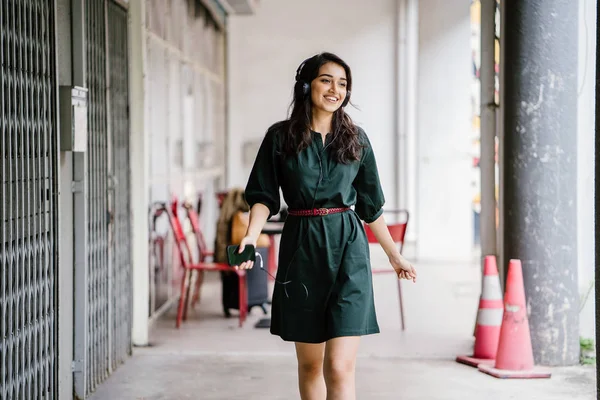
x=540, y=180
x=487, y=164
x=500, y=133
x=140, y=167
x=407, y=75
x=596, y=195
x=586, y=111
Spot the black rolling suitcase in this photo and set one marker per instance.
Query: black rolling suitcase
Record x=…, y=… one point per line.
x=258, y=291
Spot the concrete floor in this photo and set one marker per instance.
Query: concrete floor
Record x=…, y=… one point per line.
x=210, y=358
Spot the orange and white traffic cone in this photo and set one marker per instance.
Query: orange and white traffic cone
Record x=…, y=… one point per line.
x=515, y=354
x=489, y=318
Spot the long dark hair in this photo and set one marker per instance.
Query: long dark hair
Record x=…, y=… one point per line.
x=345, y=145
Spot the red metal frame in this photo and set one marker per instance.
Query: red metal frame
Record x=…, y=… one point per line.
x=193, y=217
x=189, y=266
x=397, y=231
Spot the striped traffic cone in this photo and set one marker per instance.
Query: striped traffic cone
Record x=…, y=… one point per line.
x=489, y=318
x=515, y=354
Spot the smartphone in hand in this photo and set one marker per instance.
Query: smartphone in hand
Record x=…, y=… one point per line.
x=235, y=258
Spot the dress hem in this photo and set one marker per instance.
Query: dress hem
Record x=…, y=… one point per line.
x=343, y=333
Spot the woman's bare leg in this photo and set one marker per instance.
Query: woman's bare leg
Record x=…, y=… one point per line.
x=339, y=367
x=310, y=371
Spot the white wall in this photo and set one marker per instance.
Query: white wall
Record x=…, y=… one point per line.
x=585, y=164
x=444, y=217
x=265, y=49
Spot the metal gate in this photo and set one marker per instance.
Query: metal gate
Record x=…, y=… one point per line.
x=121, y=285
x=108, y=299
x=28, y=199
x=96, y=365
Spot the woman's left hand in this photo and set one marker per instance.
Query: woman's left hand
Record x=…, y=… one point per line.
x=404, y=269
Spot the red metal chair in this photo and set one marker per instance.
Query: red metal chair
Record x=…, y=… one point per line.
x=397, y=231
x=203, y=251
x=186, y=258
x=194, y=217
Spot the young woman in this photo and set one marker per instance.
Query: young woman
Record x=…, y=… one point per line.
x=324, y=164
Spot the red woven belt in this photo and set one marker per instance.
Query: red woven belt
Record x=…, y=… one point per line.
x=316, y=212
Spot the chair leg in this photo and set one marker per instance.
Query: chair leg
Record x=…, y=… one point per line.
x=196, y=297
x=401, y=304
x=161, y=252
x=245, y=298
x=243, y=306
x=182, y=299
x=240, y=299
x=187, y=295
x=272, y=262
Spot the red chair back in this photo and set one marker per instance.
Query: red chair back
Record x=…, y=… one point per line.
x=195, y=222
x=185, y=253
x=397, y=230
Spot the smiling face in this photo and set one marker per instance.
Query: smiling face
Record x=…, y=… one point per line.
x=329, y=88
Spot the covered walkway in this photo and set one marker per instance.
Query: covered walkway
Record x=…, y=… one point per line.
x=482, y=117
x=211, y=358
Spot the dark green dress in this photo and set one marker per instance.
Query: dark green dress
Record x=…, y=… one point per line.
x=323, y=286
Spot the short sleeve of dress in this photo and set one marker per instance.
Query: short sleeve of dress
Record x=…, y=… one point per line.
x=263, y=183
x=370, y=198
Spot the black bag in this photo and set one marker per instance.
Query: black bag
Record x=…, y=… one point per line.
x=258, y=290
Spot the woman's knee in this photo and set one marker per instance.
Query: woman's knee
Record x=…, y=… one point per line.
x=311, y=368
x=310, y=359
x=338, y=370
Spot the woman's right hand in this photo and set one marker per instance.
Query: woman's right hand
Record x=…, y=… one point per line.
x=247, y=240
